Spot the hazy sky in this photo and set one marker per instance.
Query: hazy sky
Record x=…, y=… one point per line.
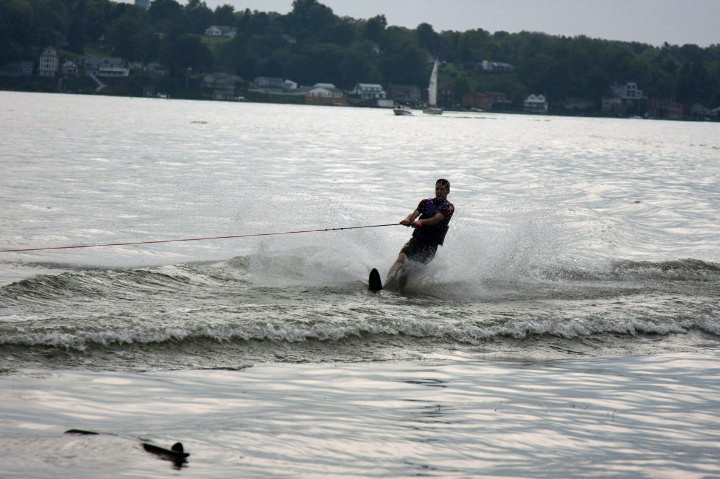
x=648, y=21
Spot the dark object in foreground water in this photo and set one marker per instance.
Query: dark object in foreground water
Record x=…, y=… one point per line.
x=374, y=281
x=176, y=453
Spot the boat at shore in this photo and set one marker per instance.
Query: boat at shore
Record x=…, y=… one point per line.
x=402, y=110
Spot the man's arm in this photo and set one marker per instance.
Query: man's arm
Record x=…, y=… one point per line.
x=431, y=221
x=410, y=218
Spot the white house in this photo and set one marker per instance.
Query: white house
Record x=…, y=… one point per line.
x=497, y=67
x=113, y=72
x=221, y=86
x=69, y=67
x=324, y=90
x=628, y=91
x=368, y=91
x=536, y=104
x=94, y=65
x=49, y=62
x=275, y=85
x=221, y=31
x=269, y=84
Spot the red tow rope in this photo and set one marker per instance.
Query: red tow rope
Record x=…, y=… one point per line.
x=20, y=250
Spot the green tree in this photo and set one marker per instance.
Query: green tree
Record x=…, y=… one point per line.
x=694, y=84
x=95, y=22
x=310, y=15
x=318, y=62
x=131, y=36
x=374, y=28
x=168, y=14
x=403, y=61
x=360, y=64
x=257, y=23
x=234, y=55
x=17, y=25
x=184, y=51
x=341, y=32
x=198, y=15
x=76, y=33
x=448, y=47
x=51, y=22
x=276, y=64
x=224, y=15
x=427, y=38
x=263, y=46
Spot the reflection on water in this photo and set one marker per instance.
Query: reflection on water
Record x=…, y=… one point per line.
x=621, y=417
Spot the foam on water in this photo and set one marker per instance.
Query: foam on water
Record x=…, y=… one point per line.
x=310, y=301
x=574, y=229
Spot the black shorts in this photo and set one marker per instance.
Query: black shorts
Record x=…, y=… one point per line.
x=420, y=251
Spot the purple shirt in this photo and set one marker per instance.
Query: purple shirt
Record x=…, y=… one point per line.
x=429, y=208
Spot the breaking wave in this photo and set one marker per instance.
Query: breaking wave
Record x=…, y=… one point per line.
x=221, y=314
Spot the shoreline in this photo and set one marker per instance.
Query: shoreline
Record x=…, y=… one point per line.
x=448, y=110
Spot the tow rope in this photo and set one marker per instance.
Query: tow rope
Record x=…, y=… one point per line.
x=20, y=250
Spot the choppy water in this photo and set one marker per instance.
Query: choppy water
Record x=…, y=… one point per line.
x=647, y=417
x=572, y=238
x=225, y=314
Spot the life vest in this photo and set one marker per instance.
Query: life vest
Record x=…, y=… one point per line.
x=434, y=233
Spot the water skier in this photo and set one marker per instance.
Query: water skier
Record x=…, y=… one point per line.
x=430, y=230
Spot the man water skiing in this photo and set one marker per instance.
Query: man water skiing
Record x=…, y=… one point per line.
x=430, y=231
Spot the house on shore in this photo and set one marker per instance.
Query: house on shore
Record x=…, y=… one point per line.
x=625, y=97
x=575, y=104
x=275, y=85
x=69, y=68
x=488, y=101
x=220, y=86
x=445, y=94
x=16, y=69
x=369, y=91
x=535, y=104
x=108, y=67
x=665, y=109
x=405, y=94
x=323, y=94
x=49, y=62
x=627, y=92
x=221, y=31
x=701, y=112
x=497, y=67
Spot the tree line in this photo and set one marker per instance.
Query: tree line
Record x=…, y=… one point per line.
x=311, y=44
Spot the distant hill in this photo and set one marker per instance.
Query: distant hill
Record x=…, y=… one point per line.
x=311, y=44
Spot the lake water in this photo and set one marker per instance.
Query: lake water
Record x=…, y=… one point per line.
x=569, y=326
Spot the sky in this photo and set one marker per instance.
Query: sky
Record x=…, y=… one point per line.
x=648, y=21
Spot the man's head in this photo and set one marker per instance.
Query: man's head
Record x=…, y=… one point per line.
x=442, y=188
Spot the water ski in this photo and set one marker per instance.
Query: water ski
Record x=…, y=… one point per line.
x=374, y=282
